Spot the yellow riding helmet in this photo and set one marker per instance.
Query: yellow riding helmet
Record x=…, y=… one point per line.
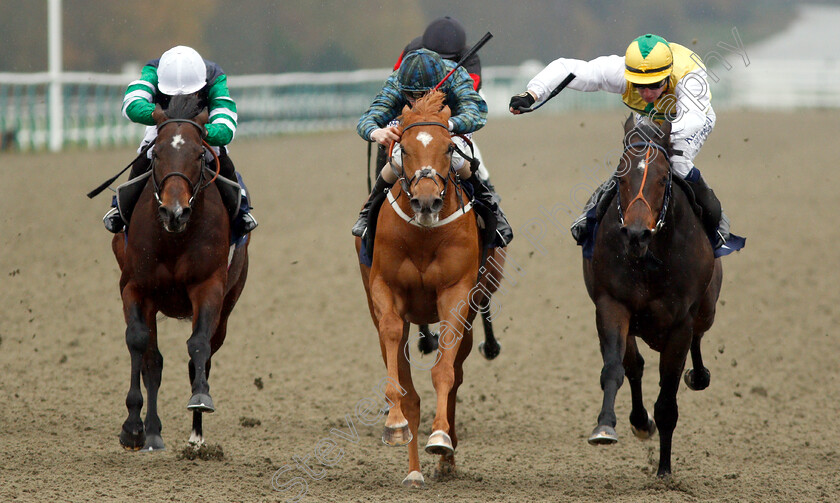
x=648, y=59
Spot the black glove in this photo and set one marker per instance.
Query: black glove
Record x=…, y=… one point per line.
x=522, y=100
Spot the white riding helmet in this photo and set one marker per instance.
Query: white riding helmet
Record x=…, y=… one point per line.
x=181, y=71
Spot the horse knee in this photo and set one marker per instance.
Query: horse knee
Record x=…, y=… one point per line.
x=137, y=337
x=612, y=372
x=666, y=413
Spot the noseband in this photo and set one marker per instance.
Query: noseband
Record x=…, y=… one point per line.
x=197, y=187
x=640, y=196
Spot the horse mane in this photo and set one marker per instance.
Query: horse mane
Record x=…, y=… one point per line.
x=184, y=106
x=428, y=107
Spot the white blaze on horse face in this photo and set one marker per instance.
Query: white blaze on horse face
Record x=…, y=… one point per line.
x=177, y=141
x=642, y=165
x=424, y=138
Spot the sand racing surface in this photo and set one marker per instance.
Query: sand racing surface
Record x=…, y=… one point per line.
x=301, y=350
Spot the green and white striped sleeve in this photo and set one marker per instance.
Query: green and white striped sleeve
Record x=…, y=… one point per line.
x=139, y=100
x=221, y=127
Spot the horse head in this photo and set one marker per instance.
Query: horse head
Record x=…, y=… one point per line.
x=426, y=155
x=644, y=182
x=178, y=159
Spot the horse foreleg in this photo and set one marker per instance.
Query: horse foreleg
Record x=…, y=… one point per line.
x=641, y=421
x=612, y=319
x=133, y=435
x=453, y=329
x=446, y=463
x=410, y=405
x=152, y=370
x=207, y=302
x=391, y=334
x=666, y=412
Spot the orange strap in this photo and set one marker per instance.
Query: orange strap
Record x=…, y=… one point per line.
x=640, y=195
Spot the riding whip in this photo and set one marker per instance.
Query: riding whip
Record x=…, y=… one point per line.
x=487, y=36
x=95, y=192
x=554, y=93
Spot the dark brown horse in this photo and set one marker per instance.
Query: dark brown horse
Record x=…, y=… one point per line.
x=653, y=275
x=425, y=270
x=175, y=260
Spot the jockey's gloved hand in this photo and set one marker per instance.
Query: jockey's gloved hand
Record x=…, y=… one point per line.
x=521, y=100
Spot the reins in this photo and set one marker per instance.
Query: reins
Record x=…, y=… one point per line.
x=197, y=187
x=407, y=183
x=640, y=196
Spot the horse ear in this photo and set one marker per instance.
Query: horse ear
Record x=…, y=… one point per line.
x=158, y=115
x=446, y=112
x=666, y=131
x=202, y=117
x=628, y=124
x=405, y=110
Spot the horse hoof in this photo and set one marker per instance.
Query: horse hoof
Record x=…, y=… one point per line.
x=440, y=443
x=489, y=352
x=646, y=433
x=697, y=379
x=201, y=402
x=397, y=436
x=132, y=440
x=603, y=435
x=153, y=443
x=414, y=480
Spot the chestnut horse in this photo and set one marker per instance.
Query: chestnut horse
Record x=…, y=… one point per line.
x=652, y=275
x=174, y=260
x=425, y=270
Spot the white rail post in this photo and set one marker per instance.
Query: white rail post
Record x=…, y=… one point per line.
x=56, y=98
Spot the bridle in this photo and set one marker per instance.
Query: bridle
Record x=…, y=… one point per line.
x=197, y=187
x=407, y=183
x=648, y=145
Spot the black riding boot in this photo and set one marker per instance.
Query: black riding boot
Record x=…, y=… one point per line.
x=361, y=224
x=714, y=221
x=244, y=222
x=113, y=220
x=582, y=226
x=485, y=193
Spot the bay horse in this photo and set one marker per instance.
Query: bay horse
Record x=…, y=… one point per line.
x=174, y=259
x=425, y=269
x=652, y=275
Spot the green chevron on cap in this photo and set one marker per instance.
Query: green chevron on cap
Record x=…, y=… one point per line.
x=648, y=42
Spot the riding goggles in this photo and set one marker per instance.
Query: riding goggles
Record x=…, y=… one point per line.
x=414, y=95
x=655, y=85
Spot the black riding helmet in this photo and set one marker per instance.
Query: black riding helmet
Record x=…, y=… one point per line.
x=446, y=36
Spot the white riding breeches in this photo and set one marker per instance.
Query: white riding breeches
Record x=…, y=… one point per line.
x=686, y=144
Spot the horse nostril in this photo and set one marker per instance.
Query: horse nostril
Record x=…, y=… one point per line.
x=185, y=214
x=437, y=204
x=415, y=205
x=163, y=212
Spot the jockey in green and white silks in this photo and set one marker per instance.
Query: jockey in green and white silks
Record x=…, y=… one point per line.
x=657, y=80
x=179, y=71
x=419, y=72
